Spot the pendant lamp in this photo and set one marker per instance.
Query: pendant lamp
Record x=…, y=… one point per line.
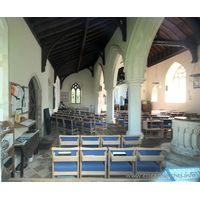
x=155, y=81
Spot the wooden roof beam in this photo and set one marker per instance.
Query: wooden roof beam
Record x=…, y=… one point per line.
x=180, y=43
x=122, y=25
x=83, y=42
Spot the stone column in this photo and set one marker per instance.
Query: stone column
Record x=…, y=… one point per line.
x=134, y=107
x=96, y=103
x=110, y=105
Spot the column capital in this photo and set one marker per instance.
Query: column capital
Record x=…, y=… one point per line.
x=136, y=81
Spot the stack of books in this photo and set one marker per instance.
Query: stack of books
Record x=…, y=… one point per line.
x=21, y=141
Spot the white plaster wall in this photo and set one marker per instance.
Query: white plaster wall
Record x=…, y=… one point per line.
x=86, y=81
x=121, y=92
x=25, y=61
x=162, y=68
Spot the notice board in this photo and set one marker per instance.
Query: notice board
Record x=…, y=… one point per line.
x=19, y=99
x=65, y=96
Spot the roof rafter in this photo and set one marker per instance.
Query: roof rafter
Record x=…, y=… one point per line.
x=83, y=42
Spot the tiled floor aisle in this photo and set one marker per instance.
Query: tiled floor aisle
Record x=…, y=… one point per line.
x=41, y=165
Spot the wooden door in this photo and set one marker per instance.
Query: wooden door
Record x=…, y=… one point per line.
x=32, y=103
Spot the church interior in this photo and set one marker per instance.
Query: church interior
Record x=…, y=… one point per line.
x=100, y=99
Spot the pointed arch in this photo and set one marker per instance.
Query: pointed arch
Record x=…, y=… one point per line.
x=114, y=56
x=38, y=101
x=139, y=45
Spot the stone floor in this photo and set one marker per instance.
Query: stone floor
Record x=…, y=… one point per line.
x=41, y=165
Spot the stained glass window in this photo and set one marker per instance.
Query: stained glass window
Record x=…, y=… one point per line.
x=75, y=93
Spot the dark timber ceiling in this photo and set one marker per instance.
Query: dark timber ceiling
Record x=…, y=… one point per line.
x=72, y=44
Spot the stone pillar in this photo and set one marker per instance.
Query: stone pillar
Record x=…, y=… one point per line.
x=134, y=107
x=96, y=103
x=110, y=106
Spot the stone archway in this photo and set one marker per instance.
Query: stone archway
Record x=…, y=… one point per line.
x=139, y=45
x=114, y=57
x=38, y=107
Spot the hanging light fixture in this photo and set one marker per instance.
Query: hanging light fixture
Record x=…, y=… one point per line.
x=155, y=81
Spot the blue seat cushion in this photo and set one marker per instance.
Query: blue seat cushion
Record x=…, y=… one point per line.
x=78, y=124
x=147, y=166
x=93, y=166
x=88, y=126
x=90, y=138
x=167, y=126
x=131, y=138
x=69, y=138
x=154, y=126
x=120, y=166
x=65, y=166
x=70, y=127
x=100, y=124
x=110, y=138
x=120, y=120
x=87, y=120
x=67, y=122
x=150, y=152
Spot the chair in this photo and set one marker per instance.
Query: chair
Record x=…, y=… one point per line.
x=167, y=125
x=69, y=127
x=79, y=123
x=125, y=123
x=110, y=141
x=88, y=127
x=63, y=165
x=54, y=123
x=60, y=124
x=100, y=123
x=121, y=165
x=92, y=141
x=68, y=141
x=128, y=141
x=91, y=118
x=93, y=161
x=120, y=118
x=146, y=158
